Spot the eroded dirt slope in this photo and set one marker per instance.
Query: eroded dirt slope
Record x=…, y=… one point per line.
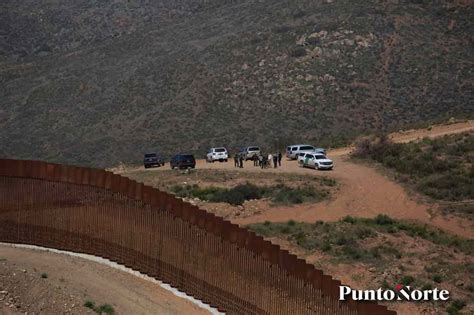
x=42, y=282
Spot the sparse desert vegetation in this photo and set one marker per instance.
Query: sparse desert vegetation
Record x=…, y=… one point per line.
x=129, y=77
x=278, y=194
x=102, y=309
x=224, y=192
x=166, y=179
x=382, y=252
x=440, y=168
x=78, y=286
x=206, y=182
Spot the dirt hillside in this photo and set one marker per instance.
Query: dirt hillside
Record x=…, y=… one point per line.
x=363, y=191
x=70, y=282
x=39, y=282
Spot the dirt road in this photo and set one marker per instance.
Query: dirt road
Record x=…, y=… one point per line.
x=363, y=191
x=433, y=132
x=418, y=134
x=42, y=282
x=70, y=281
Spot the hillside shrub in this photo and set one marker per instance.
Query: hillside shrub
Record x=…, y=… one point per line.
x=298, y=52
x=278, y=194
x=439, y=168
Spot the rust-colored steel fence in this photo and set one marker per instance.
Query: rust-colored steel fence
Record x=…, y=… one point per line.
x=103, y=214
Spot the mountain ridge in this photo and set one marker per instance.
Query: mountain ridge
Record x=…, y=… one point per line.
x=140, y=77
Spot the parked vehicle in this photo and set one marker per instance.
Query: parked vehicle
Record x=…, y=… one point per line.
x=217, y=154
x=181, y=161
x=300, y=157
x=153, y=159
x=249, y=152
x=317, y=161
x=293, y=150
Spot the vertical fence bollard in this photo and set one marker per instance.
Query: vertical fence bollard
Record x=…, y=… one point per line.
x=97, y=212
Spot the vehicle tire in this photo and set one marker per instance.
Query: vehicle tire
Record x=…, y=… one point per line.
x=146, y=166
x=316, y=166
x=225, y=160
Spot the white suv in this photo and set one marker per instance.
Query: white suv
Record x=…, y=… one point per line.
x=217, y=154
x=249, y=152
x=293, y=150
x=317, y=161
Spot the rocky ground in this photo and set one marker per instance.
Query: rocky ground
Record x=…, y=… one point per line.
x=38, y=282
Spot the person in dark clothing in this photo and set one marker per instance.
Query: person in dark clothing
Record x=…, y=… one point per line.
x=260, y=160
x=275, y=160
x=279, y=158
x=255, y=160
x=236, y=160
x=241, y=161
x=264, y=162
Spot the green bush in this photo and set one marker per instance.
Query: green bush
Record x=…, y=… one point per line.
x=383, y=219
x=102, y=309
x=313, y=41
x=353, y=252
x=407, y=280
x=282, y=29
x=424, y=231
x=326, y=247
x=343, y=239
x=282, y=194
x=237, y=195
x=427, y=286
x=89, y=304
x=471, y=287
x=455, y=306
x=437, y=278
x=349, y=219
x=105, y=309
x=437, y=168
x=298, y=52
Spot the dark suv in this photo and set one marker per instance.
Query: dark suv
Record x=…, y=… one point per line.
x=152, y=159
x=183, y=161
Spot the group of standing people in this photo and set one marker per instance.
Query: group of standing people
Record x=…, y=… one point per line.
x=266, y=162
x=263, y=161
x=239, y=160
